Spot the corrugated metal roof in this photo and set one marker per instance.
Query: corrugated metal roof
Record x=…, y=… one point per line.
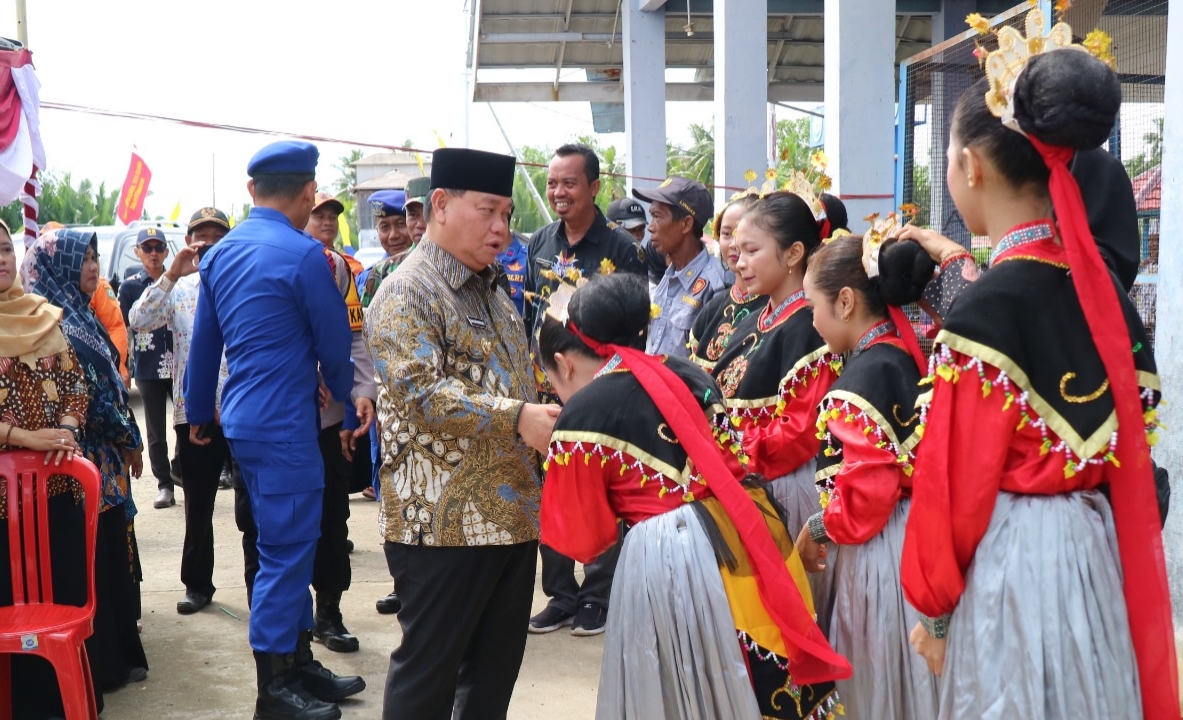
x=566, y=36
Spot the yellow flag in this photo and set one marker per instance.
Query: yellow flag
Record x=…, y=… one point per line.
x=176, y=213
x=419, y=159
x=232, y=221
x=439, y=139
x=343, y=228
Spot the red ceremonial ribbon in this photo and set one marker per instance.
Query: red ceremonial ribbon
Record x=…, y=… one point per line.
x=1135, y=505
x=811, y=660
x=908, y=334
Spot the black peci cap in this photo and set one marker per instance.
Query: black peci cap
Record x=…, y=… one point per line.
x=476, y=170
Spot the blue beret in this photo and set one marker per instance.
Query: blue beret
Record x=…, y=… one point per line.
x=287, y=157
x=388, y=203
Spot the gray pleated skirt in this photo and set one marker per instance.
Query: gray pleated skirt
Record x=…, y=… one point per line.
x=797, y=494
x=671, y=649
x=1041, y=630
x=870, y=625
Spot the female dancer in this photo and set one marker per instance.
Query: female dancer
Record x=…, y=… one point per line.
x=868, y=428
x=1044, y=388
x=722, y=313
x=62, y=266
x=777, y=369
x=710, y=600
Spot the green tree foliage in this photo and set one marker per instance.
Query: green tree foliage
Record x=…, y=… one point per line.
x=696, y=161
x=922, y=195
x=1152, y=157
x=342, y=189
x=61, y=201
x=792, y=146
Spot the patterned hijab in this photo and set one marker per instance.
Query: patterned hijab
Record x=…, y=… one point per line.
x=53, y=269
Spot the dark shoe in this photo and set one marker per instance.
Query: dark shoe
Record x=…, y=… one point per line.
x=192, y=602
x=330, y=627
x=137, y=674
x=225, y=480
x=279, y=697
x=349, y=546
x=389, y=605
x=318, y=680
x=164, y=499
x=589, y=620
x=550, y=619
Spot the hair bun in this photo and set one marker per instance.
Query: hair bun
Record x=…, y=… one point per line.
x=905, y=269
x=613, y=309
x=1067, y=98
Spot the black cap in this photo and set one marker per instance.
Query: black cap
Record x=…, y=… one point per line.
x=627, y=213
x=476, y=170
x=689, y=195
x=150, y=233
x=210, y=215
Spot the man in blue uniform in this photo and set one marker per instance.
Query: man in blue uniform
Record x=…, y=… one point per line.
x=513, y=261
x=267, y=295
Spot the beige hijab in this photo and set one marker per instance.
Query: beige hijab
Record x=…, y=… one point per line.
x=29, y=326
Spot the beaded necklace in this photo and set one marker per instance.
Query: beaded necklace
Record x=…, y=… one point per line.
x=766, y=321
x=1022, y=235
x=877, y=331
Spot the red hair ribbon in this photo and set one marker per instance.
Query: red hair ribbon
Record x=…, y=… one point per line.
x=826, y=228
x=811, y=660
x=908, y=334
x=1135, y=507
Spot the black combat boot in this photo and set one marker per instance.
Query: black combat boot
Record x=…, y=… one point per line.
x=330, y=626
x=318, y=680
x=278, y=701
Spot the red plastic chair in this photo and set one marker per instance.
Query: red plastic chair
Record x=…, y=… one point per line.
x=34, y=624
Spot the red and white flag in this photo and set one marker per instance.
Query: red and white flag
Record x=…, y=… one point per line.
x=21, y=151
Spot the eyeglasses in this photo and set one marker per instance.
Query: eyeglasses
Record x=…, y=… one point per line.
x=153, y=248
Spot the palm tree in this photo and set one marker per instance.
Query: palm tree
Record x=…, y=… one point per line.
x=697, y=161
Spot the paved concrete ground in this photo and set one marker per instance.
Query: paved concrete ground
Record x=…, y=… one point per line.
x=201, y=665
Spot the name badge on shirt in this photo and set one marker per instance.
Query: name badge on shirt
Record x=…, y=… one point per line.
x=692, y=301
x=476, y=322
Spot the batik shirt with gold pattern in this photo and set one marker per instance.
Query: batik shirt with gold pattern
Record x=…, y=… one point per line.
x=453, y=372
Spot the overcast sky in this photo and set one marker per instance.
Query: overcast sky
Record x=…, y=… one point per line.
x=379, y=71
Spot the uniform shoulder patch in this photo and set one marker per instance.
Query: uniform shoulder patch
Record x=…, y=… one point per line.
x=698, y=286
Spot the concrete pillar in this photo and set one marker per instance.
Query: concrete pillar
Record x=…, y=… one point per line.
x=644, y=92
x=741, y=92
x=860, y=104
x=1168, y=348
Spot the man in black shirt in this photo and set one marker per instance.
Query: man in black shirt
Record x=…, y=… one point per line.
x=151, y=362
x=581, y=243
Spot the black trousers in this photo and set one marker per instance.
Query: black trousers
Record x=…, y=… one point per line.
x=330, y=570
x=156, y=395
x=464, y=617
x=245, y=520
x=201, y=466
x=558, y=579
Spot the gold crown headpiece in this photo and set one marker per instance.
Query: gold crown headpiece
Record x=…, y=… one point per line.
x=809, y=185
x=1004, y=65
x=559, y=300
x=883, y=229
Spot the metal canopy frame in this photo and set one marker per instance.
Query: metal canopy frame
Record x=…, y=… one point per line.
x=566, y=36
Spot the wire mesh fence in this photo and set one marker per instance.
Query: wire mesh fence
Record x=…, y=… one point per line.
x=931, y=83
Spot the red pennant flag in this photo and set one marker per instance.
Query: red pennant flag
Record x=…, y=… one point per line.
x=135, y=190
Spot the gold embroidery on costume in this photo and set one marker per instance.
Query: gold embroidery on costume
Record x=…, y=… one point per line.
x=906, y=423
x=1080, y=399
x=664, y=432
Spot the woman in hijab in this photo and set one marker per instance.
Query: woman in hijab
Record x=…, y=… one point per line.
x=42, y=403
x=62, y=266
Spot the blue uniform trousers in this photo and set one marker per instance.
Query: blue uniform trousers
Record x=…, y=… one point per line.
x=285, y=483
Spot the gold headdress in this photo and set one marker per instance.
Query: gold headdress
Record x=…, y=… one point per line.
x=883, y=229
x=805, y=184
x=1004, y=65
